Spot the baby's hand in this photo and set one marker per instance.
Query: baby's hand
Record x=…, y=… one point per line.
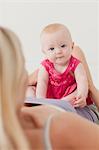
x=80, y=101
x=71, y=98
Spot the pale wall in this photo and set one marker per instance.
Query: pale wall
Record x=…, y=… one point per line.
x=27, y=18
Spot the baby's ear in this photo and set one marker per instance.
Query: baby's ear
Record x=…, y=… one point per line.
x=72, y=45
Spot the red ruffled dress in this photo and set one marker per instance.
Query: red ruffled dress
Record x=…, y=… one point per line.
x=62, y=84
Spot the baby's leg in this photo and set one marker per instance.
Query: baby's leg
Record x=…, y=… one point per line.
x=78, y=53
x=71, y=97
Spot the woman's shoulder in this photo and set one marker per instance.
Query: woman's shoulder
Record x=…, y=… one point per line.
x=76, y=47
x=77, y=52
x=64, y=128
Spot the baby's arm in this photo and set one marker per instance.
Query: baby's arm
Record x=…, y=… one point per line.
x=42, y=83
x=82, y=86
x=33, y=78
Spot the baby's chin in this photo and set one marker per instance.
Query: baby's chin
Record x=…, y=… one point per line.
x=60, y=61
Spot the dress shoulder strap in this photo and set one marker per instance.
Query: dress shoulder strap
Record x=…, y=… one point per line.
x=74, y=62
x=48, y=65
x=47, y=142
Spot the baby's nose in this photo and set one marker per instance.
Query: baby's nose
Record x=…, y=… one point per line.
x=58, y=50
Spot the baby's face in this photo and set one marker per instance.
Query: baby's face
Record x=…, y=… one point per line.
x=57, y=46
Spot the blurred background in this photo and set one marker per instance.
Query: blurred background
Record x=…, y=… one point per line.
x=28, y=17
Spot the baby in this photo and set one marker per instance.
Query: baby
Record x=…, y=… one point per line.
x=61, y=76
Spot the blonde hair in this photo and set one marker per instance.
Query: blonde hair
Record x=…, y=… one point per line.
x=52, y=28
x=11, y=67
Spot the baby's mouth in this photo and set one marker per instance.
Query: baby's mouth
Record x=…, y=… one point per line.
x=59, y=57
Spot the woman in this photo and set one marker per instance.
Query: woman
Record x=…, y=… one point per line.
x=21, y=130
x=12, y=73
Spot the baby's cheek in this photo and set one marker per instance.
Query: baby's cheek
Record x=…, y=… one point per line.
x=52, y=58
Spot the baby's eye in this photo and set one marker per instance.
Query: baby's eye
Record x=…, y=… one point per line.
x=52, y=48
x=63, y=45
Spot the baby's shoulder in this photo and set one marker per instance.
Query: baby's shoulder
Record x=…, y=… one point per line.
x=47, y=64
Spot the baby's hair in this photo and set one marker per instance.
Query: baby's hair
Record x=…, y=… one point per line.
x=51, y=28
